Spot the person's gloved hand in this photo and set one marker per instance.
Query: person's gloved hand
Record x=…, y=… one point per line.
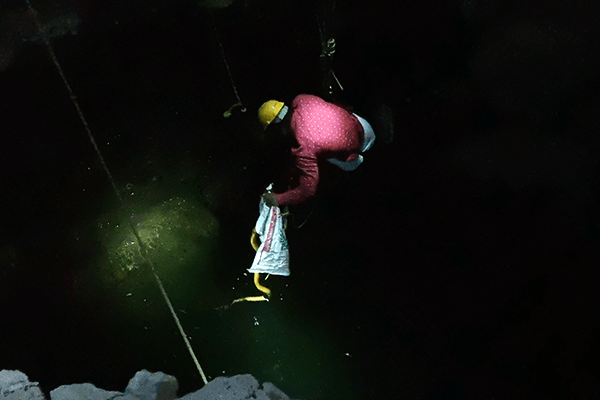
x=269, y=199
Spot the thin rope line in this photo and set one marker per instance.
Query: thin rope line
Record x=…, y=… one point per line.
x=307, y=217
x=75, y=102
x=224, y=58
x=181, y=331
x=114, y=186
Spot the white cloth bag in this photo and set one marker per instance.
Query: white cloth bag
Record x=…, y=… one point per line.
x=273, y=255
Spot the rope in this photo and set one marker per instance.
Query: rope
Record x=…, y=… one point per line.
x=181, y=331
x=227, y=113
x=114, y=186
x=328, y=45
x=307, y=217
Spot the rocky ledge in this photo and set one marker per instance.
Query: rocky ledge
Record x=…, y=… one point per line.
x=15, y=385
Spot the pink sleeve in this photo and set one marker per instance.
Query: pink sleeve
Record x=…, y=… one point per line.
x=308, y=181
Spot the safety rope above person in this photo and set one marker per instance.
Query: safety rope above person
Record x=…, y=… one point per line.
x=328, y=45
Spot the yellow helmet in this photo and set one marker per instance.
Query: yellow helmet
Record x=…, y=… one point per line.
x=269, y=111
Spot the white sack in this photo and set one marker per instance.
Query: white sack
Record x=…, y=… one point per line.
x=273, y=255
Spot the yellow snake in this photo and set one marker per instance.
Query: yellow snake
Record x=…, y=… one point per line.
x=255, y=242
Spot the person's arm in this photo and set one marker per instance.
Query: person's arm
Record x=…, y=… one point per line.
x=307, y=182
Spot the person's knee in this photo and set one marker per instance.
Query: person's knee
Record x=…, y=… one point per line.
x=347, y=165
x=369, y=134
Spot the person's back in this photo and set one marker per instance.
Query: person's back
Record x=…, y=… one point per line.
x=325, y=129
x=321, y=131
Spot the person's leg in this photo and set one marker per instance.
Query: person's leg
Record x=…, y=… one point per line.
x=369, y=134
x=347, y=165
x=368, y=142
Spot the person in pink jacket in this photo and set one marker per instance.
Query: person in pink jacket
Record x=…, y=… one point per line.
x=319, y=131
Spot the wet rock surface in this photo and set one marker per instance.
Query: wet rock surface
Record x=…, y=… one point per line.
x=15, y=385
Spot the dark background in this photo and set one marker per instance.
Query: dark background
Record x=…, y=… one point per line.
x=468, y=246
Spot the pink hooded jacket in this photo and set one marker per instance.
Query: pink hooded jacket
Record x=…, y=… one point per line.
x=323, y=130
